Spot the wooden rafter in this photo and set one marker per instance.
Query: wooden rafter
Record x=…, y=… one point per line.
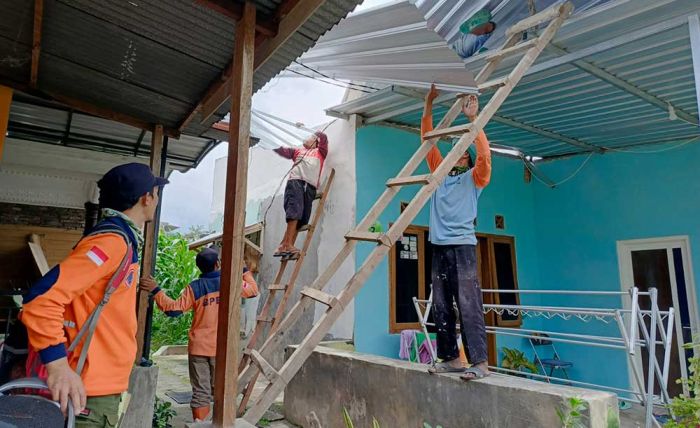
x=290, y=15
x=263, y=25
x=36, y=43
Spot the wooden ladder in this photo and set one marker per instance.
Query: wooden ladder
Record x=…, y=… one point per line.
x=264, y=319
x=279, y=377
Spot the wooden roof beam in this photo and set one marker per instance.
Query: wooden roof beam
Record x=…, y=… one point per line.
x=36, y=42
x=263, y=25
x=291, y=15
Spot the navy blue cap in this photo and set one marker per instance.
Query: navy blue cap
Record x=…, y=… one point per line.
x=206, y=260
x=126, y=183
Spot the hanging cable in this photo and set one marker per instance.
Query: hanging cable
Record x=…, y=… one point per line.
x=346, y=86
x=553, y=185
x=647, y=152
x=333, y=78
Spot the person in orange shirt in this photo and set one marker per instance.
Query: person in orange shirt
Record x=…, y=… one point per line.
x=58, y=305
x=453, y=210
x=201, y=296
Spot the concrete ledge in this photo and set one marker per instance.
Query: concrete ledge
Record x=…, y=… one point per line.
x=240, y=423
x=403, y=394
x=171, y=350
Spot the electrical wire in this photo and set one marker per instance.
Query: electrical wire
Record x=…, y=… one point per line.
x=553, y=185
x=333, y=78
x=346, y=86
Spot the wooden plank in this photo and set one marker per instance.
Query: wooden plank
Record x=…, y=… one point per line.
x=5, y=102
x=277, y=287
x=228, y=338
x=529, y=22
x=414, y=179
x=38, y=254
x=273, y=344
x=453, y=130
x=491, y=66
x=150, y=240
x=493, y=84
x=217, y=95
x=505, y=53
x=266, y=368
x=319, y=296
x=358, y=235
x=36, y=42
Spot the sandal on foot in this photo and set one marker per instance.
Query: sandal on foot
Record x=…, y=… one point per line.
x=473, y=373
x=445, y=368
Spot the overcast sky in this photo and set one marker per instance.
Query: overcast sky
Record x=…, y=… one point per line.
x=187, y=199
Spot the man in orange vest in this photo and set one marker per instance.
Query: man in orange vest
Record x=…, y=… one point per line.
x=201, y=296
x=61, y=303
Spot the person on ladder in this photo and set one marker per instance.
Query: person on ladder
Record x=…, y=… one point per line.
x=453, y=209
x=202, y=296
x=63, y=301
x=304, y=178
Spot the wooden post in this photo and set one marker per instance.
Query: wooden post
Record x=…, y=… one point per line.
x=149, y=244
x=5, y=101
x=36, y=43
x=226, y=375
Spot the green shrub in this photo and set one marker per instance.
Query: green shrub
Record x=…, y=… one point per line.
x=163, y=412
x=686, y=408
x=175, y=269
x=571, y=413
x=514, y=359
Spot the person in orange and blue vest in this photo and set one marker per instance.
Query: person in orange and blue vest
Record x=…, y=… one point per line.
x=201, y=296
x=61, y=302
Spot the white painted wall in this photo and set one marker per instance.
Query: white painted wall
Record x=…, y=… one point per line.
x=266, y=181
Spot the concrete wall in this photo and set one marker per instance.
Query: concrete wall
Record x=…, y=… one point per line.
x=381, y=153
x=401, y=394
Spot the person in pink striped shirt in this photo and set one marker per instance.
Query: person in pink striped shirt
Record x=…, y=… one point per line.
x=304, y=178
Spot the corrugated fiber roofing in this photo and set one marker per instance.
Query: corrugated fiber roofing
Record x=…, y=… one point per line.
x=149, y=59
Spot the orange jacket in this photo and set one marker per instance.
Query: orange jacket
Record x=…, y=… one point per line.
x=58, y=305
x=482, y=167
x=202, y=295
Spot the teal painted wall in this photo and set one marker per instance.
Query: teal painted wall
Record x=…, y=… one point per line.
x=617, y=196
x=565, y=237
x=381, y=152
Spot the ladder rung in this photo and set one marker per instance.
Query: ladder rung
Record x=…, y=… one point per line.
x=319, y=195
x=527, y=23
x=503, y=53
x=319, y=296
x=305, y=228
x=495, y=83
x=379, y=238
x=445, y=132
x=413, y=179
x=277, y=287
x=267, y=320
x=266, y=368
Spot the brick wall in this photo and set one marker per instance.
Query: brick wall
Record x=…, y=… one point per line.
x=30, y=215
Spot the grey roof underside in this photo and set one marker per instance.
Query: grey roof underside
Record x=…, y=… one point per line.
x=149, y=59
x=580, y=104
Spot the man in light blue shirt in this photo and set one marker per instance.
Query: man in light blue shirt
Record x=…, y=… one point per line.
x=473, y=34
x=453, y=209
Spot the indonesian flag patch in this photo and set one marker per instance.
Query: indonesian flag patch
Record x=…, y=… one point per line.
x=97, y=256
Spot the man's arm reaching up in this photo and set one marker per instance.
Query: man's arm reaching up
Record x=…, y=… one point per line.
x=481, y=172
x=426, y=125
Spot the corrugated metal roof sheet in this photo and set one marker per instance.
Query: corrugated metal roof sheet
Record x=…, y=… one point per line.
x=653, y=54
x=150, y=59
x=34, y=120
